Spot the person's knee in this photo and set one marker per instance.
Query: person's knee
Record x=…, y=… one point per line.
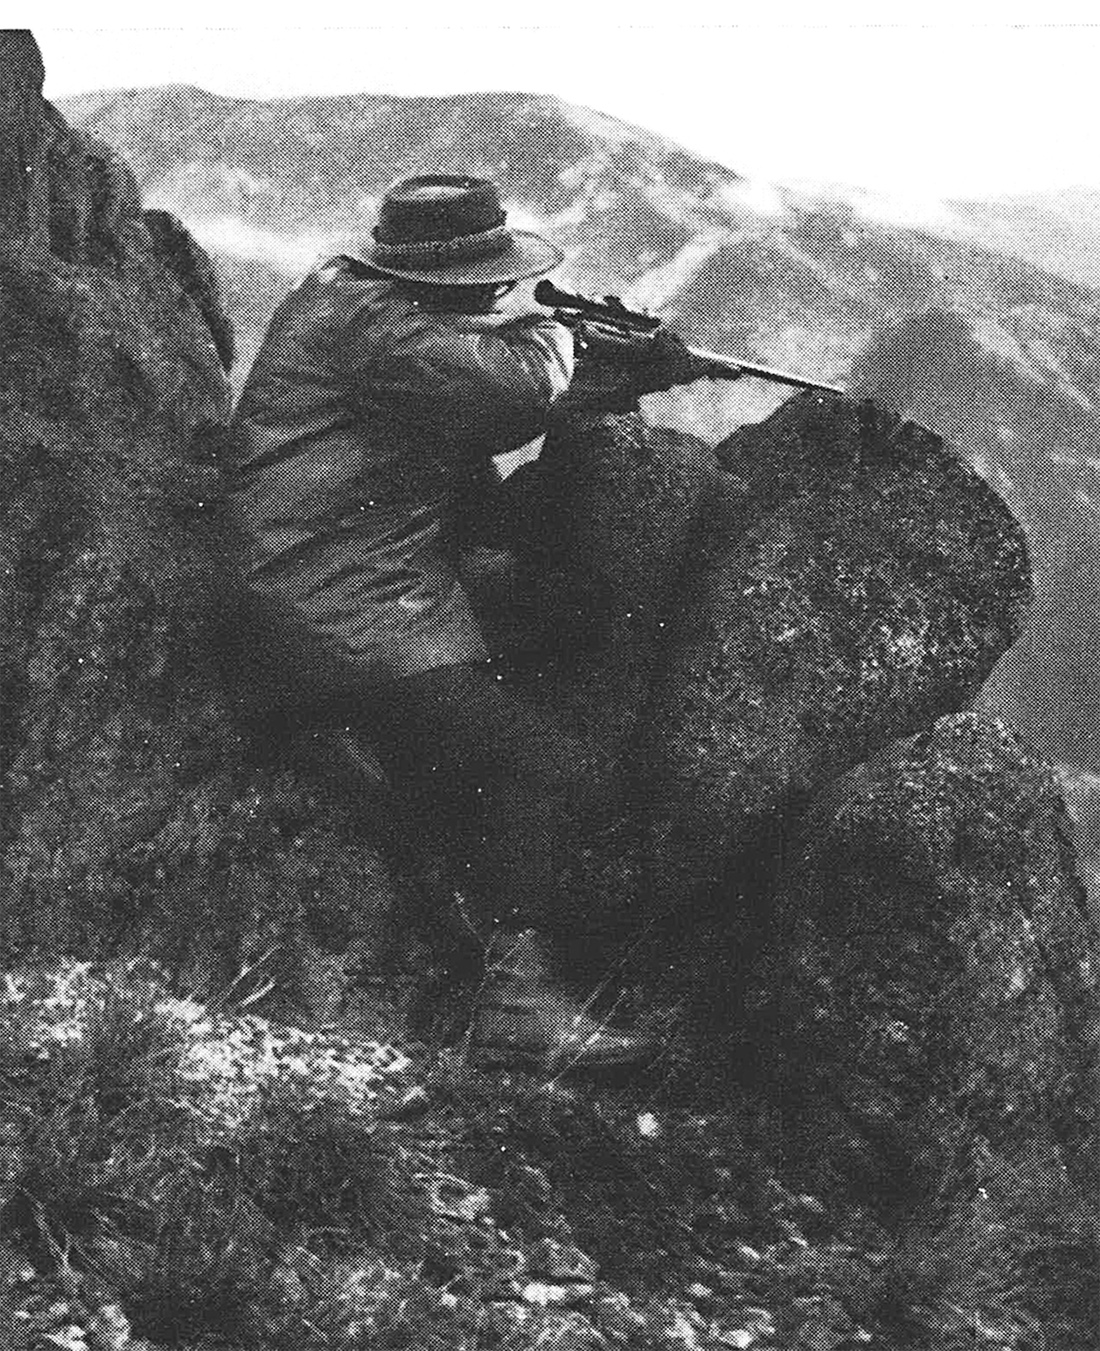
x=503, y=743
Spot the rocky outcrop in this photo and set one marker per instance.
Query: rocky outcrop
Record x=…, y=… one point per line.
x=194, y=271
x=751, y=633
x=131, y=814
x=748, y=634
x=855, y=581
x=930, y=1003
x=896, y=951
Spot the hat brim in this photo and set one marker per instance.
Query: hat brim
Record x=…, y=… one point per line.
x=529, y=255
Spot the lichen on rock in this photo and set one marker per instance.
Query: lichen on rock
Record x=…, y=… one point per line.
x=853, y=581
x=930, y=1002
x=133, y=814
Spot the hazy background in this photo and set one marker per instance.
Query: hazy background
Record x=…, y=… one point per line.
x=912, y=201
x=935, y=101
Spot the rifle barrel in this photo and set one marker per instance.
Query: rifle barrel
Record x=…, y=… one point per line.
x=726, y=366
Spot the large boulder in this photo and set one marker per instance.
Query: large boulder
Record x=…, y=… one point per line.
x=602, y=524
x=853, y=581
x=927, y=1020
x=741, y=635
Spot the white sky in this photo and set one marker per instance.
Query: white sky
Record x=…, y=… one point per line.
x=957, y=101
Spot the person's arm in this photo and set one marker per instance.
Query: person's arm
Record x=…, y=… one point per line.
x=483, y=382
x=612, y=377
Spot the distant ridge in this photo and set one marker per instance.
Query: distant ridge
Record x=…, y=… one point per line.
x=802, y=277
x=1058, y=231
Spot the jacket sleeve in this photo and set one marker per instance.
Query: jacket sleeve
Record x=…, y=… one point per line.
x=484, y=383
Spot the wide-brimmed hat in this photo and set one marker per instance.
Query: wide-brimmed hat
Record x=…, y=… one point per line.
x=450, y=229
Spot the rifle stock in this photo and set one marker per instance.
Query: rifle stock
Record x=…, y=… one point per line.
x=574, y=310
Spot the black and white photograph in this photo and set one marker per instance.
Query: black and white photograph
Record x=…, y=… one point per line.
x=550, y=678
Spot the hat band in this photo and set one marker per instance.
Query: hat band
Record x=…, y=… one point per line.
x=431, y=253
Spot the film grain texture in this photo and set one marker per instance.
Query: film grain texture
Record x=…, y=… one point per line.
x=643, y=898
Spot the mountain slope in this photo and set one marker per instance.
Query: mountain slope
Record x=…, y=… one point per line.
x=799, y=278
x=1058, y=231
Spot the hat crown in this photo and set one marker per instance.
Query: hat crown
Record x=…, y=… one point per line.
x=438, y=207
x=450, y=229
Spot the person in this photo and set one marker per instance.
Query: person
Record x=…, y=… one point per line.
x=386, y=383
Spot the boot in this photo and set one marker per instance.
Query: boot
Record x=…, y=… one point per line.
x=523, y=1019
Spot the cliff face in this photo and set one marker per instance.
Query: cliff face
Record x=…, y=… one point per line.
x=875, y=964
x=129, y=815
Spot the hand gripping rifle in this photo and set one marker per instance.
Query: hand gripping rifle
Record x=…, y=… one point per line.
x=610, y=321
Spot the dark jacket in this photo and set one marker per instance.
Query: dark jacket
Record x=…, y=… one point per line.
x=361, y=422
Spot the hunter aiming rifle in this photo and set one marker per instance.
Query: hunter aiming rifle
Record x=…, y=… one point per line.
x=609, y=321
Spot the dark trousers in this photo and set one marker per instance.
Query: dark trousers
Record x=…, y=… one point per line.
x=486, y=769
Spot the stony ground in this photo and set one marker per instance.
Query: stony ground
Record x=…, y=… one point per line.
x=188, y=1176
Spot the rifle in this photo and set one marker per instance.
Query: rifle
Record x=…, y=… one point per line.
x=611, y=320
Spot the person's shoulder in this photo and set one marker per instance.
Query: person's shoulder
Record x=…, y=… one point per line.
x=353, y=296
x=493, y=322
x=346, y=273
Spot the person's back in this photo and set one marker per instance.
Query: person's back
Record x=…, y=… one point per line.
x=362, y=419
